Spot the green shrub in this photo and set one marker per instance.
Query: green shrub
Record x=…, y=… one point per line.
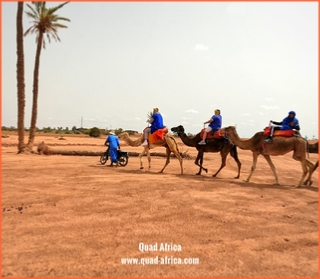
x=47, y=129
x=95, y=132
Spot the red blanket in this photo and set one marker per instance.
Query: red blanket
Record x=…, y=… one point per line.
x=157, y=135
x=282, y=133
x=216, y=135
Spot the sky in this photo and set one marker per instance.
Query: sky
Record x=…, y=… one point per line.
x=255, y=61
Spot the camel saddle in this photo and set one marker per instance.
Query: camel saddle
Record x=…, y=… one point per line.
x=157, y=135
x=281, y=133
x=216, y=135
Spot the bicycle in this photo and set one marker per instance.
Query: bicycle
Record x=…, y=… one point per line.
x=123, y=157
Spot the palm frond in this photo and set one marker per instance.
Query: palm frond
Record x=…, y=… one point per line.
x=45, y=21
x=54, y=9
x=63, y=18
x=34, y=12
x=59, y=25
x=149, y=115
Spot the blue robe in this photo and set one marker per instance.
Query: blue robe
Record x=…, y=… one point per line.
x=113, y=143
x=286, y=123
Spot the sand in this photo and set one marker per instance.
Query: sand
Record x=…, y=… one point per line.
x=70, y=216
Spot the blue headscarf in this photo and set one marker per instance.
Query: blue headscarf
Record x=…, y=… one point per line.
x=286, y=121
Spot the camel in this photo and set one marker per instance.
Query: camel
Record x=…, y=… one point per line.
x=169, y=143
x=312, y=148
x=279, y=146
x=213, y=145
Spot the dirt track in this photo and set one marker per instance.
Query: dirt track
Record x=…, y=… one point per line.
x=66, y=216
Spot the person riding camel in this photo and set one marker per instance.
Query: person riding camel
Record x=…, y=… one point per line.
x=156, y=122
x=215, y=123
x=288, y=123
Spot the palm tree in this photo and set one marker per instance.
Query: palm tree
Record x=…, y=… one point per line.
x=44, y=21
x=20, y=79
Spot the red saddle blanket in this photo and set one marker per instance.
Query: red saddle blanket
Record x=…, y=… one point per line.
x=157, y=135
x=216, y=135
x=282, y=133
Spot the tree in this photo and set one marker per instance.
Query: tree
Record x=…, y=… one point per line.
x=20, y=79
x=44, y=21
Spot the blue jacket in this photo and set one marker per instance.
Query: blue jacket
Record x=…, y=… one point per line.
x=285, y=123
x=217, y=122
x=113, y=141
x=157, y=122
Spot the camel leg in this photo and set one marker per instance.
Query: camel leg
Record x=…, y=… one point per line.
x=307, y=166
x=200, y=158
x=172, y=147
x=196, y=162
x=223, y=162
x=254, y=164
x=145, y=151
x=234, y=155
x=140, y=158
x=309, y=181
x=273, y=168
x=176, y=152
x=149, y=159
x=168, y=151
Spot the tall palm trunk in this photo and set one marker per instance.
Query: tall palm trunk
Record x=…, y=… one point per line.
x=32, y=131
x=20, y=79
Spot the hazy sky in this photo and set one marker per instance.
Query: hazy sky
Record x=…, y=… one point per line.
x=116, y=61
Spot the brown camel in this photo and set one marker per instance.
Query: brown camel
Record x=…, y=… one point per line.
x=312, y=148
x=169, y=143
x=213, y=145
x=279, y=146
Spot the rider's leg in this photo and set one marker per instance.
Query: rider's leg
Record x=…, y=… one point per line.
x=146, y=132
x=206, y=131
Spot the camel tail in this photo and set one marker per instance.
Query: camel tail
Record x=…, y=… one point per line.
x=175, y=143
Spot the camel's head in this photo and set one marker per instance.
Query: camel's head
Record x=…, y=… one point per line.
x=123, y=135
x=227, y=130
x=179, y=129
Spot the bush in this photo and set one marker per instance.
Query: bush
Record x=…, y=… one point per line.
x=47, y=129
x=95, y=132
x=118, y=131
x=86, y=132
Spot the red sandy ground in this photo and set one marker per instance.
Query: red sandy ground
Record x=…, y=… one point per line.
x=70, y=216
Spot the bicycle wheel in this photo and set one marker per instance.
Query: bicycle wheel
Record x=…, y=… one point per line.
x=123, y=161
x=103, y=158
